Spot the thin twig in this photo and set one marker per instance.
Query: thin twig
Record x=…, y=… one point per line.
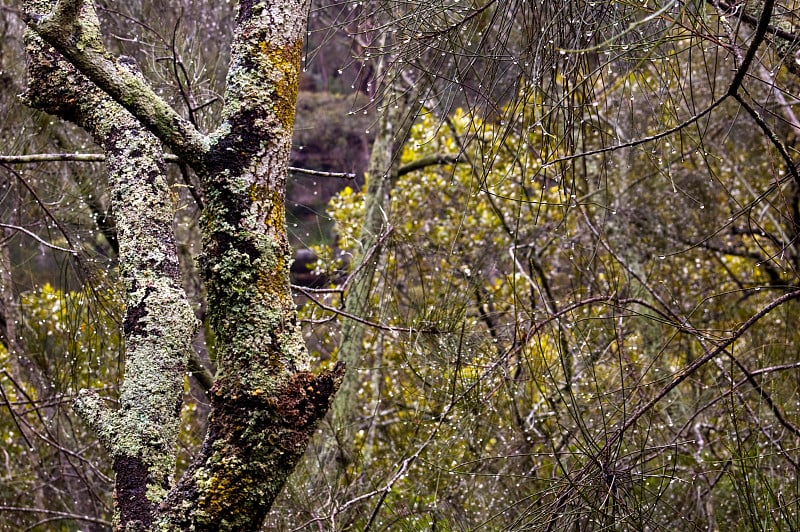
x=340, y=312
x=701, y=361
x=170, y=158
x=36, y=237
x=41, y=204
x=65, y=515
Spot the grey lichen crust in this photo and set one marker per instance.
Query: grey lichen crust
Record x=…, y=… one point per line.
x=141, y=435
x=266, y=403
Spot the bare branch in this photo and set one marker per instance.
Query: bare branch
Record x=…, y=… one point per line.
x=390, y=328
x=52, y=158
x=38, y=239
x=431, y=160
x=65, y=515
x=320, y=173
x=174, y=159
x=701, y=361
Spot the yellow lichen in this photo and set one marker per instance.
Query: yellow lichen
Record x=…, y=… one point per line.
x=286, y=61
x=271, y=279
x=222, y=493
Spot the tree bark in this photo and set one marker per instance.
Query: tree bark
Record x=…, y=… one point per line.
x=265, y=401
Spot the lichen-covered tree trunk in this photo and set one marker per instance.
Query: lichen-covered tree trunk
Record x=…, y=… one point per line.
x=141, y=435
x=265, y=401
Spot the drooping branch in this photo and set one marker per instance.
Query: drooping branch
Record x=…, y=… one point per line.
x=709, y=355
x=38, y=238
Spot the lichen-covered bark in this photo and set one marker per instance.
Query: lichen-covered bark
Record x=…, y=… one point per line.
x=141, y=435
x=246, y=252
x=265, y=402
x=253, y=445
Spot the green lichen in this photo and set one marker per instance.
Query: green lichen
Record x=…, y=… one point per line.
x=89, y=36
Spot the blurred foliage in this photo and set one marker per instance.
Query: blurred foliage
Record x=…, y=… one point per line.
x=547, y=303
x=68, y=335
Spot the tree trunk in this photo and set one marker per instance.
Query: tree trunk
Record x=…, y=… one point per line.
x=396, y=119
x=265, y=401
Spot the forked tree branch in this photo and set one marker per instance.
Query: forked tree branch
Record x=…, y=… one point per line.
x=73, y=30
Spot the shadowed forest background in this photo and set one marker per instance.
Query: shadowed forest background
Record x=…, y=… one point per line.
x=556, y=244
